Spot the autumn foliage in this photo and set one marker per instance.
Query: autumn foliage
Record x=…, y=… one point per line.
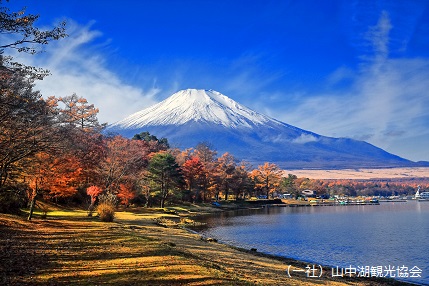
x=54, y=148
x=93, y=192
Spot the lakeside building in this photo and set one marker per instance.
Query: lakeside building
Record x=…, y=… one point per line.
x=309, y=193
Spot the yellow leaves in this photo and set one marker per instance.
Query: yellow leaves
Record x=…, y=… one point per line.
x=267, y=176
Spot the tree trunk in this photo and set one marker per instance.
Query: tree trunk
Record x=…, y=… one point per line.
x=147, y=196
x=32, y=204
x=162, y=202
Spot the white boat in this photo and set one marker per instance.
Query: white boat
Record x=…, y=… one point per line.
x=421, y=196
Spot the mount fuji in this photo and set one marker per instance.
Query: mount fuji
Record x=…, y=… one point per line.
x=191, y=116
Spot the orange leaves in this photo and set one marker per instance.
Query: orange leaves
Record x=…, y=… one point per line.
x=126, y=194
x=194, y=172
x=93, y=192
x=267, y=177
x=77, y=112
x=58, y=176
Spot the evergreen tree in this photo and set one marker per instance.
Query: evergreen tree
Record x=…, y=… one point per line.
x=166, y=175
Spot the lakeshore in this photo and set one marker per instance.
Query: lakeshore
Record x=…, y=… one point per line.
x=137, y=249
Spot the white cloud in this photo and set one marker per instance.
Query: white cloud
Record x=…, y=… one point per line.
x=378, y=35
x=305, y=138
x=387, y=104
x=78, y=66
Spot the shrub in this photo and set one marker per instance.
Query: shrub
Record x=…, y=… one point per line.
x=106, y=207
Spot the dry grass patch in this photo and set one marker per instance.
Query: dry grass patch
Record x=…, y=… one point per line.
x=85, y=252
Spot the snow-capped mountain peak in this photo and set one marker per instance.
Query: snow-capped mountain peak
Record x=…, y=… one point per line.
x=191, y=116
x=196, y=105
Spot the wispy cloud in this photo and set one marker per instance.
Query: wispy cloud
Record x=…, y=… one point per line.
x=305, y=138
x=387, y=103
x=246, y=75
x=77, y=65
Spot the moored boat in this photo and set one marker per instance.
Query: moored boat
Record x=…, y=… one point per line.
x=421, y=196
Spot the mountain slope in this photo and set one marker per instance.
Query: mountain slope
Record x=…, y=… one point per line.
x=192, y=116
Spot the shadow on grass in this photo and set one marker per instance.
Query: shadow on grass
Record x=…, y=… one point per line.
x=21, y=256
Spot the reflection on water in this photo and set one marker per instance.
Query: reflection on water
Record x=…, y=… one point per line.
x=389, y=234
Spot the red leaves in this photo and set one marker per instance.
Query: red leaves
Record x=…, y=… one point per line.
x=93, y=192
x=126, y=194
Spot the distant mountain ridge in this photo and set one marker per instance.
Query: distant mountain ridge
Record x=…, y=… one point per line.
x=191, y=116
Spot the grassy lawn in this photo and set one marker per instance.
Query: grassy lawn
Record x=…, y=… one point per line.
x=70, y=248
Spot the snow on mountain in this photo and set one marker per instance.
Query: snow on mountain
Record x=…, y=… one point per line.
x=195, y=105
x=191, y=116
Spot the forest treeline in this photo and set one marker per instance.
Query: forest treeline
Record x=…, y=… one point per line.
x=55, y=148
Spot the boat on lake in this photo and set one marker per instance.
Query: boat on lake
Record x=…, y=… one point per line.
x=421, y=196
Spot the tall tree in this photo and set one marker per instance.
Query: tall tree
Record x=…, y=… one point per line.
x=123, y=160
x=225, y=170
x=27, y=124
x=207, y=155
x=83, y=135
x=54, y=174
x=195, y=175
x=166, y=174
x=77, y=112
x=26, y=120
x=205, y=152
x=241, y=183
x=267, y=177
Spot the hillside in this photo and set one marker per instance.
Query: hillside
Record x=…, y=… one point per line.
x=191, y=116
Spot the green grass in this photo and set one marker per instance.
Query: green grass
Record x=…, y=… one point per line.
x=58, y=213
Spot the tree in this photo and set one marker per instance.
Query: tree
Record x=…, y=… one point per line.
x=77, y=112
x=83, y=137
x=123, y=160
x=194, y=174
x=288, y=185
x=146, y=187
x=93, y=192
x=25, y=38
x=27, y=121
x=28, y=36
x=225, y=168
x=166, y=174
x=56, y=176
x=28, y=124
x=155, y=143
x=267, y=177
x=241, y=182
x=204, y=151
x=126, y=194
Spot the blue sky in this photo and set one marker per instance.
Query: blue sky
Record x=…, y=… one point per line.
x=356, y=69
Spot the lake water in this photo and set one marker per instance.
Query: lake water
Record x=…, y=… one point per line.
x=389, y=235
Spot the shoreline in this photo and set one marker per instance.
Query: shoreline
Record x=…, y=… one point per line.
x=303, y=264
x=134, y=250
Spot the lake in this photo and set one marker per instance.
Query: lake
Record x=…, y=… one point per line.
x=390, y=236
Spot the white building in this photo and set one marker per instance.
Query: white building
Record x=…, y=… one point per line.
x=308, y=193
